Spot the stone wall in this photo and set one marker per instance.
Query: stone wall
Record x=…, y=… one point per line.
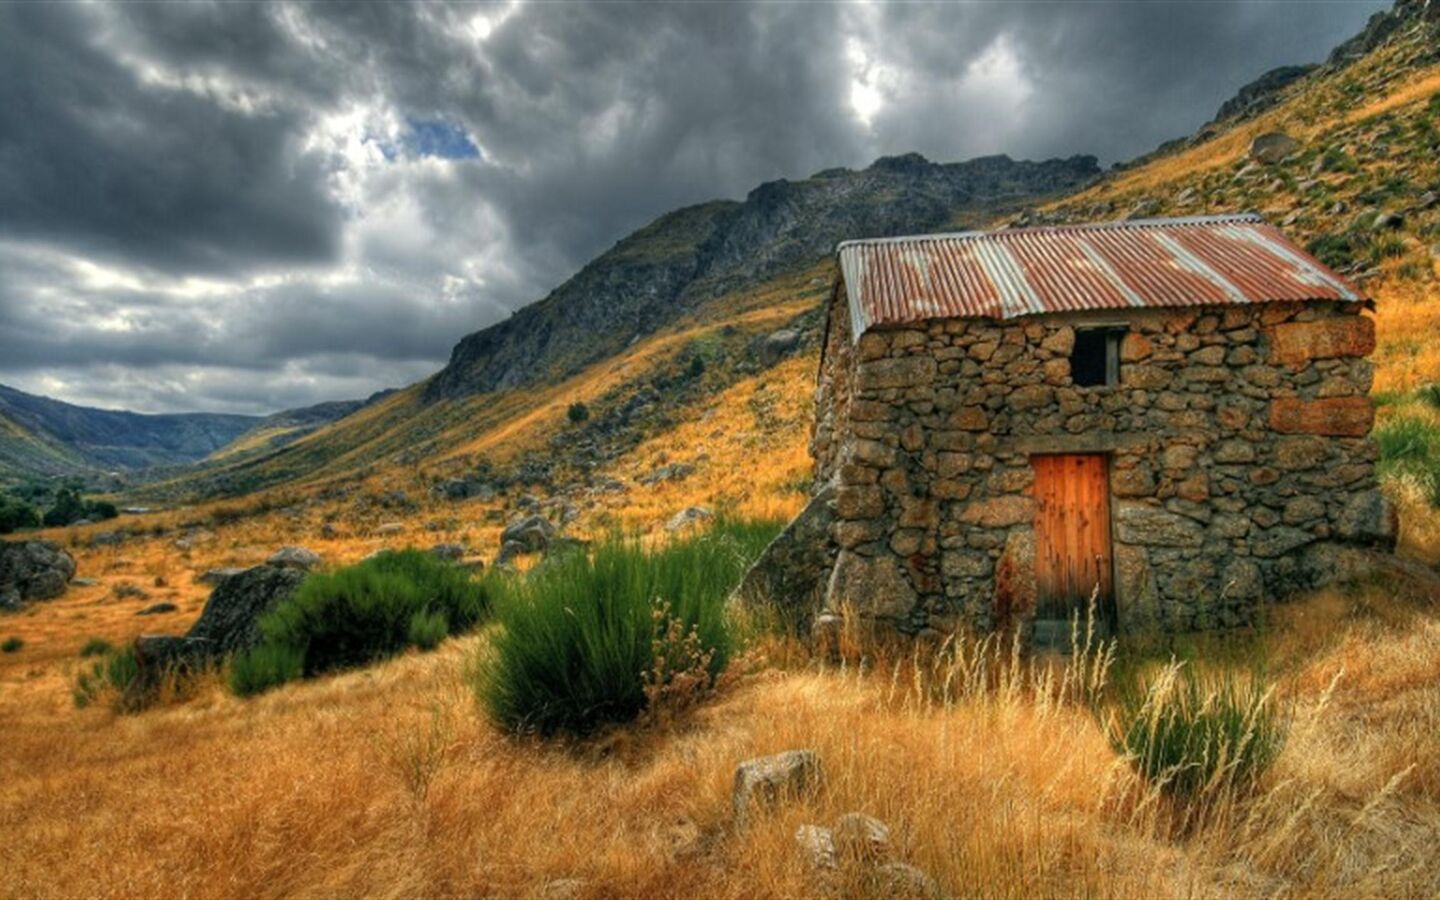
x=1237, y=448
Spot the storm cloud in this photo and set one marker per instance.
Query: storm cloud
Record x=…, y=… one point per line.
x=242, y=207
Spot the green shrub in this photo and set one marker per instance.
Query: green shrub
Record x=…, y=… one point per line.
x=357, y=615
x=261, y=668
x=1190, y=735
x=96, y=647
x=577, y=413
x=1434, y=105
x=117, y=672
x=1429, y=394
x=1335, y=250
x=428, y=629
x=12, y=644
x=588, y=639
x=16, y=513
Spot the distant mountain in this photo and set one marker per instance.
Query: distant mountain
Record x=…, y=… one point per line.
x=672, y=266
x=40, y=436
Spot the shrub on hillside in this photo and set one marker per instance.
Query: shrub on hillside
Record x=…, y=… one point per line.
x=12, y=644
x=577, y=413
x=360, y=614
x=70, y=507
x=591, y=639
x=1191, y=735
x=115, y=673
x=16, y=513
x=96, y=647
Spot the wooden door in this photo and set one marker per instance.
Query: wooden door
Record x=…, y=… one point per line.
x=1072, y=536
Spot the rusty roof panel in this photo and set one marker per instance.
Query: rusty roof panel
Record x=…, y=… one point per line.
x=1113, y=265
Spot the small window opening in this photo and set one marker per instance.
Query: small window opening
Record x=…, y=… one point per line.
x=1095, y=361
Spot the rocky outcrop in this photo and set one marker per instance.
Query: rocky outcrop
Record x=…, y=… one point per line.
x=1262, y=93
x=686, y=257
x=33, y=570
x=231, y=619
x=791, y=573
x=1273, y=147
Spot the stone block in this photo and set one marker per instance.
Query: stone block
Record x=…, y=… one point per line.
x=1296, y=343
x=999, y=512
x=1334, y=416
x=908, y=371
x=1151, y=526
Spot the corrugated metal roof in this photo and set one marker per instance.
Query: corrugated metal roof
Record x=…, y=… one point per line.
x=1112, y=265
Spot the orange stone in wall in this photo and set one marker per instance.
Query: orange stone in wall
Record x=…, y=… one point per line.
x=1299, y=342
x=1336, y=417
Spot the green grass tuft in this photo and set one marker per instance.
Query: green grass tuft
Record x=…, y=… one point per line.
x=1191, y=735
x=261, y=668
x=588, y=639
x=12, y=644
x=96, y=647
x=428, y=629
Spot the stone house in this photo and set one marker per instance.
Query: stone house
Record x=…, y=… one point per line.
x=1168, y=415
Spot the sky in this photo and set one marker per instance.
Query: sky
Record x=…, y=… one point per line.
x=244, y=207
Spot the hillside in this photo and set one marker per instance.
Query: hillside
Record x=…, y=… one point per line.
x=42, y=436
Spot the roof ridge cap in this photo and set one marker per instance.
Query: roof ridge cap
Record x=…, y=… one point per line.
x=1252, y=218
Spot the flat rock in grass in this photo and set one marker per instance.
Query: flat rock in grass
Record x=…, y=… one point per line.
x=690, y=515
x=817, y=845
x=901, y=880
x=156, y=609
x=231, y=618
x=768, y=779
x=294, y=558
x=859, y=836
x=449, y=552
x=390, y=528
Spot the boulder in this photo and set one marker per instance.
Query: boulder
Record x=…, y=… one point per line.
x=768, y=779
x=533, y=533
x=1273, y=147
x=817, y=845
x=508, y=551
x=294, y=558
x=670, y=472
x=231, y=618
x=33, y=570
x=776, y=345
x=858, y=836
x=687, y=517
x=902, y=881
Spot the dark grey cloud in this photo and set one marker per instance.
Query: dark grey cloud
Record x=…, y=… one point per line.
x=239, y=206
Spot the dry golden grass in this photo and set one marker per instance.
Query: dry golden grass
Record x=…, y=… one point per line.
x=389, y=782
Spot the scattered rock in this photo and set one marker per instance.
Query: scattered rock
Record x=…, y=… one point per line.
x=449, y=551
x=156, y=609
x=83, y=582
x=766, y=780
x=776, y=345
x=329, y=531
x=230, y=620
x=687, y=517
x=127, y=591
x=390, y=528
x=33, y=570
x=294, y=558
x=817, y=844
x=901, y=880
x=1273, y=147
x=858, y=836
x=533, y=533
x=508, y=551
x=563, y=889
x=671, y=472
x=1385, y=220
